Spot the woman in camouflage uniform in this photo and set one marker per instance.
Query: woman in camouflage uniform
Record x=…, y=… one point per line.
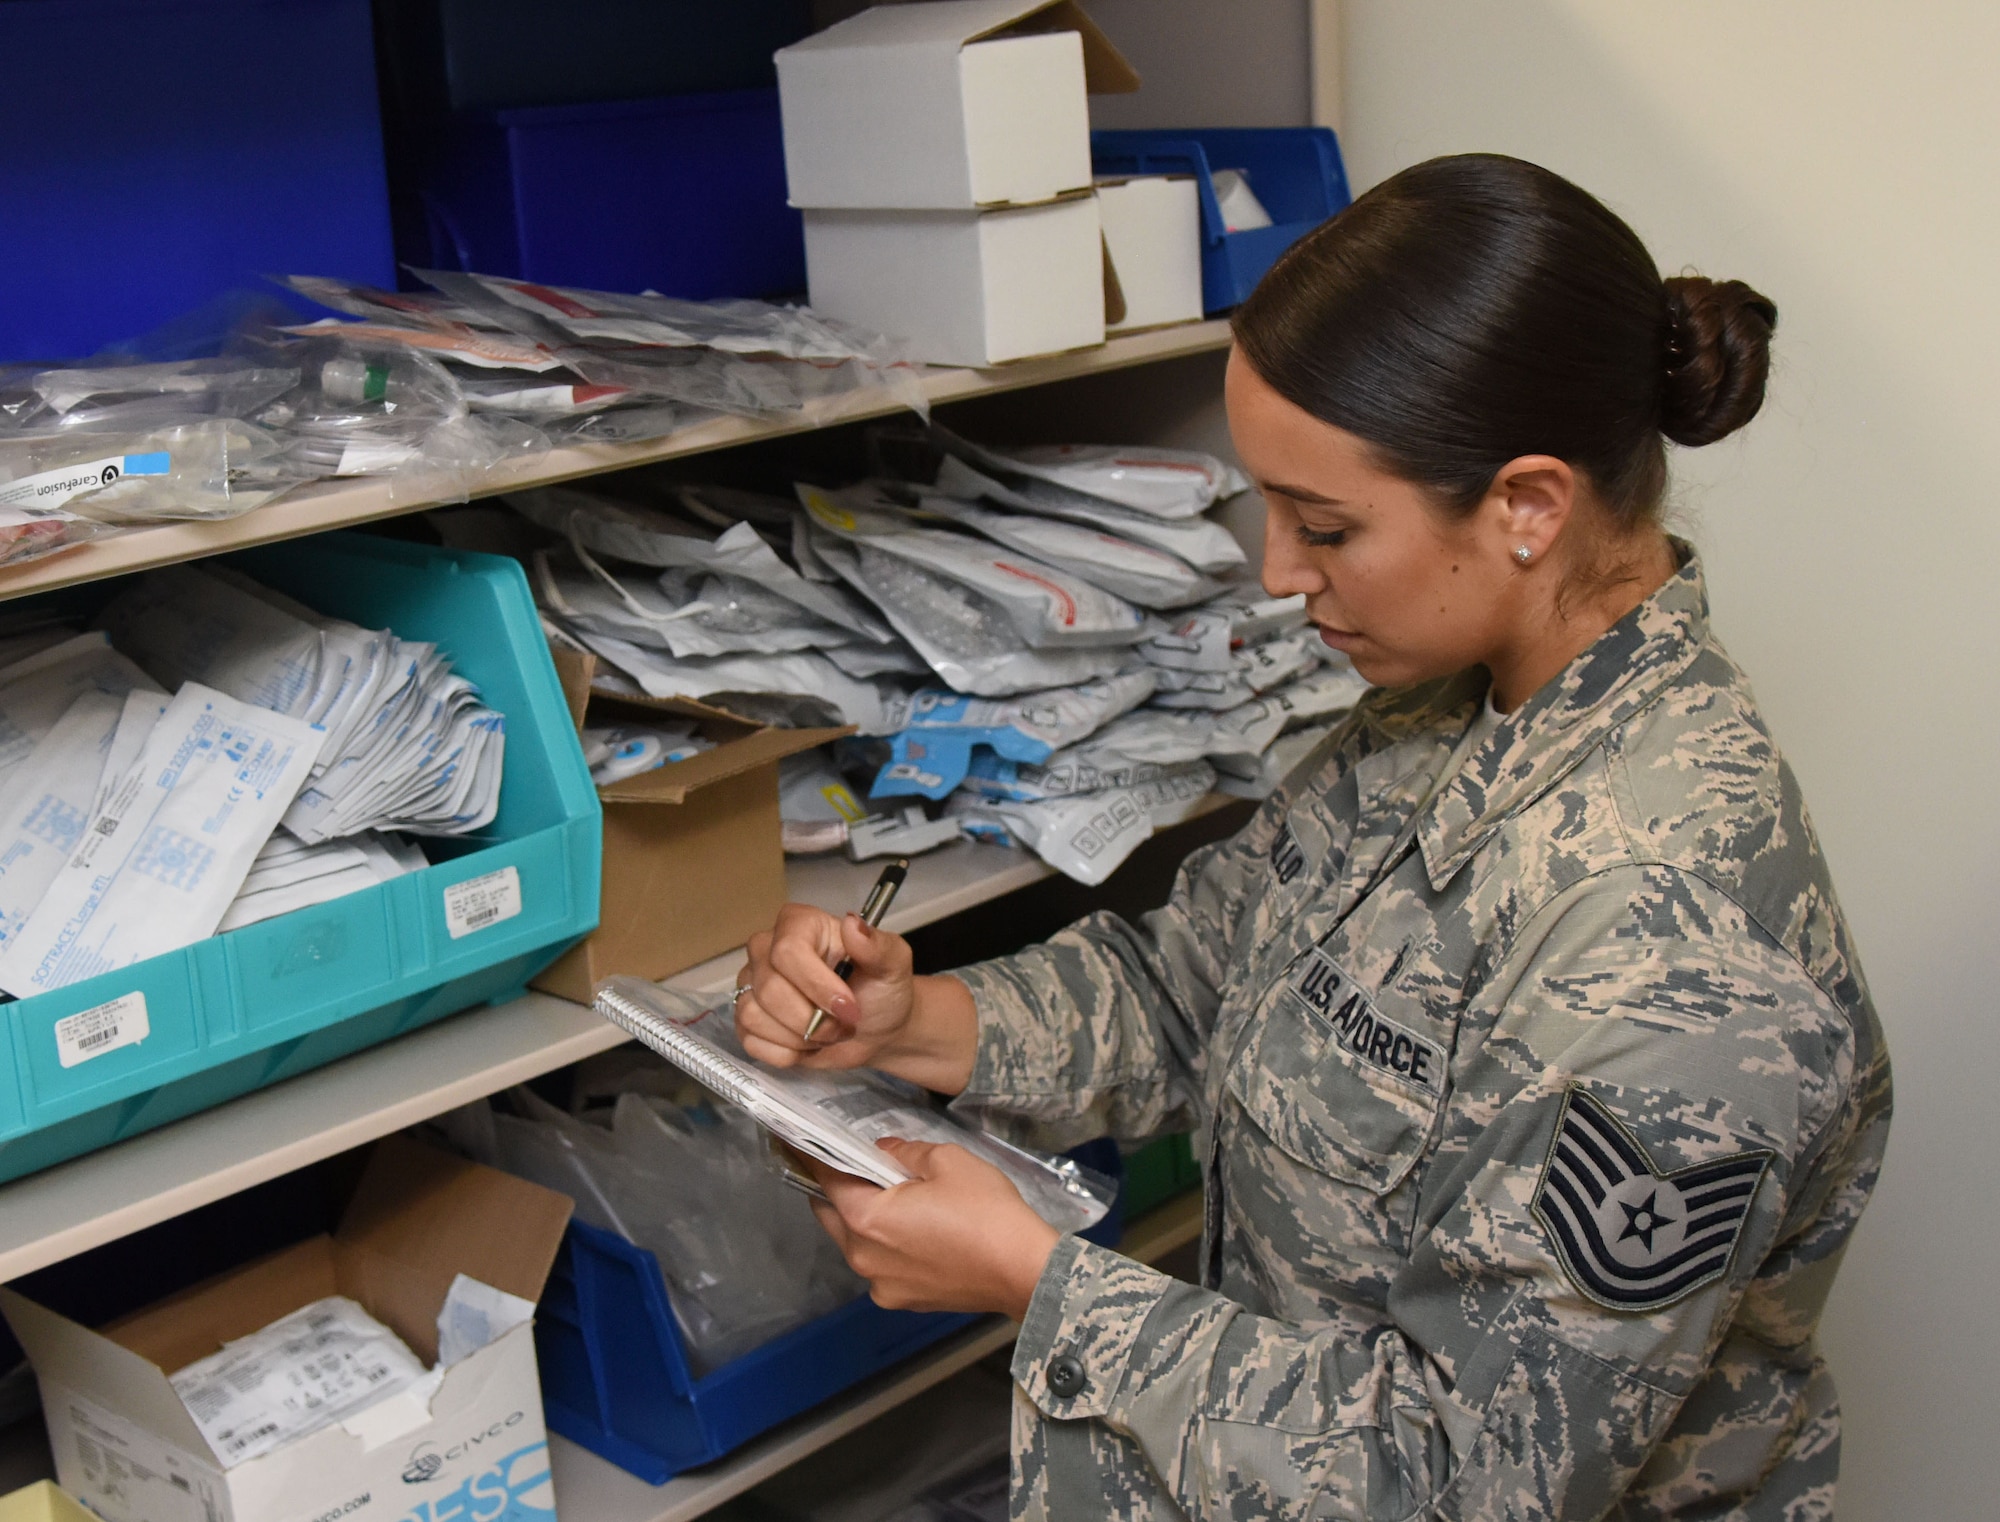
x=1536, y=1083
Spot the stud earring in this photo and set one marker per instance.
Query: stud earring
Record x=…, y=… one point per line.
x=1523, y=554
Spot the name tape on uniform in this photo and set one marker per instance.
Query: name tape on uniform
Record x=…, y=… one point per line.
x=1353, y=1023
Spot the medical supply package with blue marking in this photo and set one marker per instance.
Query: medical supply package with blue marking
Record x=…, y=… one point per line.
x=210, y=755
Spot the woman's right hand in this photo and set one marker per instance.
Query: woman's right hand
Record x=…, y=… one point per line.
x=790, y=974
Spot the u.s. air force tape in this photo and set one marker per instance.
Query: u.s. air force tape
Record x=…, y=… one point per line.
x=1351, y=1020
x=1629, y=1236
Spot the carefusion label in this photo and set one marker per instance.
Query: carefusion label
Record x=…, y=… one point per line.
x=480, y=902
x=48, y=490
x=102, y=1028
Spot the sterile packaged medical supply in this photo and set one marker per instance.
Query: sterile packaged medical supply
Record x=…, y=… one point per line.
x=1088, y=836
x=46, y=801
x=1137, y=572
x=931, y=754
x=158, y=866
x=816, y=807
x=320, y=1365
x=1161, y=483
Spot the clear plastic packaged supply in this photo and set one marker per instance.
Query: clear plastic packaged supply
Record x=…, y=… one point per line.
x=1165, y=483
x=1088, y=836
x=1123, y=567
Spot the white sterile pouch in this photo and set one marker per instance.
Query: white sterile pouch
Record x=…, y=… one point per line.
x=875, y=708
x=932, y=753
x=1207, y=639
x=684, y=612
x=1088, y=836
x=320, y=1365
x=967, y=639
x=1253, y=670
x=1201, y=542
x=141, y=711
x=37, y=691
x=189, y=624
x=1165, y=483
x=815, y=804
x=1048, y=607
x=645, y=537
x=158, y=867
x=1136, y=572
x=289, y=875
x=46, y=801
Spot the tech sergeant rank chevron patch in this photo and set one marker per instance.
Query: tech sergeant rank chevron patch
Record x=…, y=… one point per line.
x=1630, y=1237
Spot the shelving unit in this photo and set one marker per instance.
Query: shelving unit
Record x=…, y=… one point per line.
x=342, y=504
x=100, y=1198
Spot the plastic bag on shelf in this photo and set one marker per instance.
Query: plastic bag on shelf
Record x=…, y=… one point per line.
x=1048, y=607
x=742, y=1257
x=1123, y=567
x=930, y=756
x=1253, y=670
x=653, y=537
x=967, y=639
x=1088, y=836
x=815, y=804
x=1259, y=776
x=1162, y=483
x=209, y=467
x=126, y=396
x=800, y=688
x=1209, y=638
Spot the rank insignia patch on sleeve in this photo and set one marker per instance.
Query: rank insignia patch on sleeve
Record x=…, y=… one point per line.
x=1630, y=1237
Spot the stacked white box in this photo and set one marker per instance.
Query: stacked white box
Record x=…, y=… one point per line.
x=941, y=154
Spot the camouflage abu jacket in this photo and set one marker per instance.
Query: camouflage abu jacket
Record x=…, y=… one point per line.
x=1535, y=1117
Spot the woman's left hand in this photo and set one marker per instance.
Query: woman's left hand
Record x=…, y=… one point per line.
x=957, y=1237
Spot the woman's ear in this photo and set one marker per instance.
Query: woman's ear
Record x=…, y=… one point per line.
x=1528, y=505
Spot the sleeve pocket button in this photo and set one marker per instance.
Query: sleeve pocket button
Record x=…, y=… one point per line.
x=1065, y=1376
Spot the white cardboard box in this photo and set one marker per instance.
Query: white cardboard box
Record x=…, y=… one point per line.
x=964, y=287
x=946, y=105
x=126, y=1445
x=1152, y=234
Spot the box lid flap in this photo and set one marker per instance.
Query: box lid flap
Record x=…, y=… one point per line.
x=950, y=24
x=75, y=1358
x=422, y=1217
x=575, y=669
x=673, y=782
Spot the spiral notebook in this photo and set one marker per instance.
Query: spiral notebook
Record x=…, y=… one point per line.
x=837, y=1117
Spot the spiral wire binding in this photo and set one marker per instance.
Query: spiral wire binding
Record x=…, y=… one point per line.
x=713, y=1069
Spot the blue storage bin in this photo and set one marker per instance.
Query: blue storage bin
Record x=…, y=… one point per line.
x=238, y=1011
x=1295, y=171
x=164, y=151
x=684, y=195
x=615, y=1375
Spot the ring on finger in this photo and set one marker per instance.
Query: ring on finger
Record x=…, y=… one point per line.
x=741, y=990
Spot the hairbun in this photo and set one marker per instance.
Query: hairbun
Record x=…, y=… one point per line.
x=1718, y=356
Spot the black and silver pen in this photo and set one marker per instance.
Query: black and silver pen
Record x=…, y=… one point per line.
x=880, y=897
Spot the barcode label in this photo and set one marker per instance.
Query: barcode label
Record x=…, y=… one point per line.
x=479, y=902
x=102, y=1028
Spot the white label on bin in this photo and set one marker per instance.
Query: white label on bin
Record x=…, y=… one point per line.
x=102, y=1028
x=482, y=901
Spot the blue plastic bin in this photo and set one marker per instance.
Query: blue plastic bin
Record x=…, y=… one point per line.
x=242, y=1010
x=615, y=1376
x=1295, y=171
x=164, y=151
x=684, y=195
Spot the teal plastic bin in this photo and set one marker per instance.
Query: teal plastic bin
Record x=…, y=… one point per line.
x=242, y=1010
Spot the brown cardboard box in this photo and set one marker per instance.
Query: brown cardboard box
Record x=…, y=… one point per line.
x=418, y=1220
x=693, y=863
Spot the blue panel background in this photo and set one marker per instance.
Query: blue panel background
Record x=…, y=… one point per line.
x=161, y=152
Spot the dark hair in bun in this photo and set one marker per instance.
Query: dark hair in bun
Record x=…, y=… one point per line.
x=1718, y=355
x=1477, y=308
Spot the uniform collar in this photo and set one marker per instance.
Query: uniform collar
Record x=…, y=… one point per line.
x=1629, y=665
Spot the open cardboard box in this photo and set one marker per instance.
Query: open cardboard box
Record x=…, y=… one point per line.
x=975, y=103
x=693, y=860
x=126, y=1445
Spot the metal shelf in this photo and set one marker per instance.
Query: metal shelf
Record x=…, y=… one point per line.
x=340, y=504
x=592, y=1490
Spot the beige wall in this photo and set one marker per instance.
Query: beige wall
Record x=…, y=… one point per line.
x=1844, y=158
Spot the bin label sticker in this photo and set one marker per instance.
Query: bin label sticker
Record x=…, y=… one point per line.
x=482, y=901
x=102, y=1028
x=50, y=489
